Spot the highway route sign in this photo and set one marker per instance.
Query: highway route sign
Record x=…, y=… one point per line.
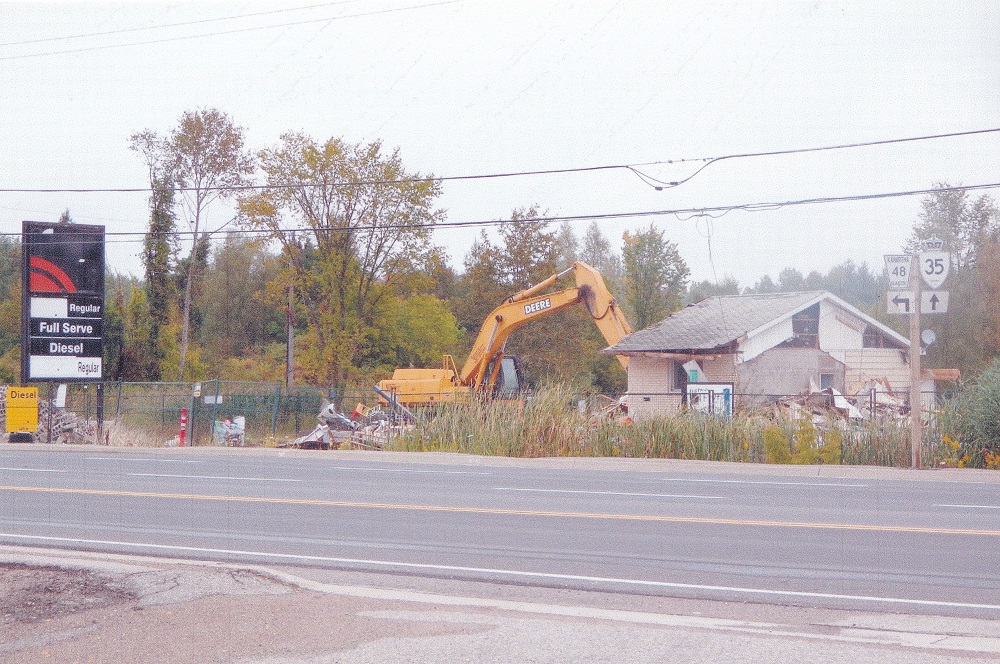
x=898, y=267
x=934, y=267
x=933, y=302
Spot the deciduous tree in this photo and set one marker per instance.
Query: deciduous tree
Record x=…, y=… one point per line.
x=656, y=276
x=204, y=158
x=363, y=226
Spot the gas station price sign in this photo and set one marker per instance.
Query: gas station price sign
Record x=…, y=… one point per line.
x=62, y=319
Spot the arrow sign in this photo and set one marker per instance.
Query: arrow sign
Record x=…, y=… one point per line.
x=934, y=267
x=900, y=302
x=934, y=302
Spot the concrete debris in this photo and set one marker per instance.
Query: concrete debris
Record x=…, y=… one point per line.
x=367, y=428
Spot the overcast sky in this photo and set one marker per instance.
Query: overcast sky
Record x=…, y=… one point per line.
x=479, y=87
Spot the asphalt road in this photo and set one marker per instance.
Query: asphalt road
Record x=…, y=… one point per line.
x=853, y=538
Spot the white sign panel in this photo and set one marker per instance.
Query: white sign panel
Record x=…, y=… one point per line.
x=901, y=302
x=934, y=267
x=82, y=368
x=933, y=302
x=898, y=267
x=711, y=398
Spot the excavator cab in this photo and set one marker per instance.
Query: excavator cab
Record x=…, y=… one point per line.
x=510, y=378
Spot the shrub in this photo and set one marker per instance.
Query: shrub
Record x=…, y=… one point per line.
x=978, y=419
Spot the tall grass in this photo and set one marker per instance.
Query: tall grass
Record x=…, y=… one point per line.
x=550, y=424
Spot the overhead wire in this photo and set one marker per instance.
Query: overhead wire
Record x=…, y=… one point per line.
x=104, y=47
x=163, y=26
x=708, y=161
x=633, y=168
x=679, y=213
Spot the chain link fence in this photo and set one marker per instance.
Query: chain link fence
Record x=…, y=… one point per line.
x=149, y=414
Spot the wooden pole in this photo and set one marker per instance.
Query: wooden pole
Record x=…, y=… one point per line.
x=915, y=405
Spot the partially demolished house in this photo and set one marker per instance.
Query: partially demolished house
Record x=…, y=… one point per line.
x=746, y=349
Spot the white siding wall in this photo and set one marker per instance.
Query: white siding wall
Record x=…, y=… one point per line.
x=884, y=364
x=765, y=340
x=836, y=336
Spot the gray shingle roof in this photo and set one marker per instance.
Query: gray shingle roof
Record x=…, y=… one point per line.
x=713, y=323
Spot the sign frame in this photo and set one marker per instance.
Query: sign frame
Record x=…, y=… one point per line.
x=62, y=302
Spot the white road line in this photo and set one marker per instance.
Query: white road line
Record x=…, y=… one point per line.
x=35, y=470
x=608, y=493
x=979, y=507
x=899, y=601
x=215, y=477
x=684, y=479
x=139, y=460
x=410, y=470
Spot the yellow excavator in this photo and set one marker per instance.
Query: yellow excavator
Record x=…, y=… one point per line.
x=488, y=372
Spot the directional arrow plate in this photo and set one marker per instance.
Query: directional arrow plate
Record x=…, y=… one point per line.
x=900, y=302
x=933, y=302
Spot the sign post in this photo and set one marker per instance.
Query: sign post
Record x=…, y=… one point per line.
x=906, y=297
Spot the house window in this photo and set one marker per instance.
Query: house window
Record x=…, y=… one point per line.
x=876, y=338
x=805, y=329
x=825, y=381
x=680, y=375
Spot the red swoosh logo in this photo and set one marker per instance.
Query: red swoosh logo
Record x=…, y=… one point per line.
x=47, y=277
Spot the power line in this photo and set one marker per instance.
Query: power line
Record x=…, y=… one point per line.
x=682, y=214
x=163, y=26
x=554, y=171
x=714, y=160
x=226, y=32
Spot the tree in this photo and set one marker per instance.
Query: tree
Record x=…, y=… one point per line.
x=596, y=252
x=962, y=224
x=559, y=346
x=791, y=280
x=567, y=246
x=970, y=230
x=238, y=314
x=205, y=159
x=705, y=289
x=655, y=276
x=363, y=227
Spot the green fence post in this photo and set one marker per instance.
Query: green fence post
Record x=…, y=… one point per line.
x=274, y=411
x=118, y=402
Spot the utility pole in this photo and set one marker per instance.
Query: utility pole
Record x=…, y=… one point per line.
x=916, y=430
x=290, y=322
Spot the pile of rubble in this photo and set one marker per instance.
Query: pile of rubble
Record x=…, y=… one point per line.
x=368, y=428
x=873, y=400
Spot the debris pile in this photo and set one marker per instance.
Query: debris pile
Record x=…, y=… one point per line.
x=366, y=428
x=873, y=400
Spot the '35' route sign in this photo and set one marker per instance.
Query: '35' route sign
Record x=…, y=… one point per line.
x=933, y=266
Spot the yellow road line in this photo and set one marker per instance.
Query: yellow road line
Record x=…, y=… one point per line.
x=509, y=512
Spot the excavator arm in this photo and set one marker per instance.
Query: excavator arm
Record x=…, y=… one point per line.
x=532, y=304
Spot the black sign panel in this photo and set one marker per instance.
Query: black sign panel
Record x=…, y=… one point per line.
x=67, y=327
x=62, y=318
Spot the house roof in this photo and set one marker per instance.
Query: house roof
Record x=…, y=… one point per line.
x=718, y=323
